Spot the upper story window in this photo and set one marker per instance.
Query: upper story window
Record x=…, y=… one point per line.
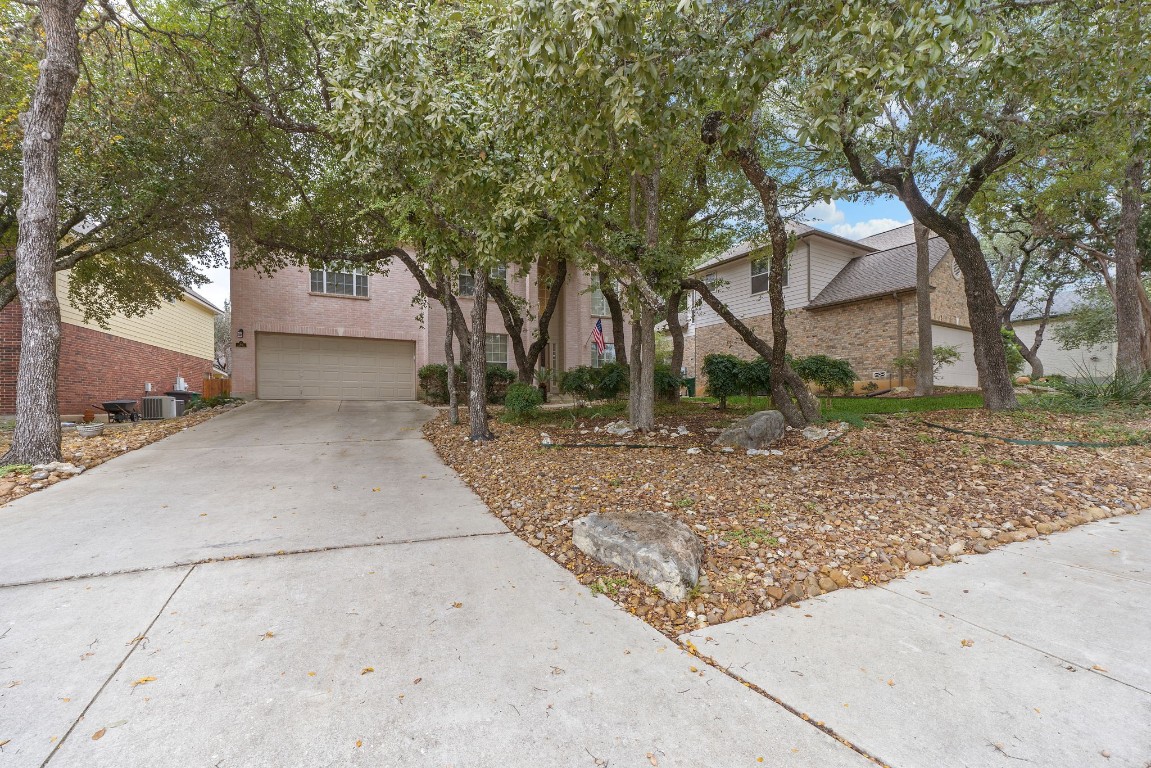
x=496, y=349
x=710, y=280
x=353, y=283
x=599, y=305
x=761, y=274
x=466, y=279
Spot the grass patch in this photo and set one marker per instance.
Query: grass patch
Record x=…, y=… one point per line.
x=609, y=586
x=745, y=536
x=15, y=469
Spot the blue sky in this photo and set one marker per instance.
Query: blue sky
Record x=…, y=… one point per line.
x=842, y=217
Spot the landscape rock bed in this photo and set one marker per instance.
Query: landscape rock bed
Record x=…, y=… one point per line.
x=819, y=516
x=83, y=453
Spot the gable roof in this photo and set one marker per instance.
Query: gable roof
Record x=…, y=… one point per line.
x=1064, y=304
x=878, y=274
x=892, y=238
x=798, y=229
x=201, y=300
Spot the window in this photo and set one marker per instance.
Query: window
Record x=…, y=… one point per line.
x=496, y=346
x=354, y=283
x=608, y=355
x=710, y=279
x=499, y=273
x=599, y=305
x=465, y=283
x=761, y=274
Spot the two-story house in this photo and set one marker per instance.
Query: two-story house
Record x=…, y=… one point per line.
x=328, y=334
x=847, y=299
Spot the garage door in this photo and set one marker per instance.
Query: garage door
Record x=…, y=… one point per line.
x=334, y=368
x=961, y=373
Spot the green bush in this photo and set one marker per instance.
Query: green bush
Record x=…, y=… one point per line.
x=830, y=374
x=667, y=383
x=522, y=401
x=941, y=355
x=723, y=376
x=211, y=402
x=1092, y=392
x=580, y=382
x=434, y=382
x=1015, y=359
x=755, y=376
x=612, y=380
x=498, y=380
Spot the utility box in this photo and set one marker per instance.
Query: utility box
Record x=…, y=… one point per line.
x=158, y=408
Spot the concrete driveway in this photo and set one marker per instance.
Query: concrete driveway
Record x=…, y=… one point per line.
x=305, y=584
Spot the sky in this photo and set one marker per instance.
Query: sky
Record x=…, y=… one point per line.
x=853, y=220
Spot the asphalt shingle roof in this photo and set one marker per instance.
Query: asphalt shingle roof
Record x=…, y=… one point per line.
x=892, y=238
x=878, y=274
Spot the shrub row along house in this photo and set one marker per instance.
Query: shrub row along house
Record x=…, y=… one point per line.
x=119, y=361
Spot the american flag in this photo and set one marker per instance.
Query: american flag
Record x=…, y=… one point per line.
x=597, y=336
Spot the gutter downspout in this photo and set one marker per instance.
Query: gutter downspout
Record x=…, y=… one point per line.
x=899, y=331
x=808, y=244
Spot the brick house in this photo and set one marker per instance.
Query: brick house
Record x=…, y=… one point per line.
x=847, y=299
x=329, y=334
x=116, y=363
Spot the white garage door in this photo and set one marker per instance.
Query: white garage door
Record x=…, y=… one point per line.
x=963, y=372
x=334, y=368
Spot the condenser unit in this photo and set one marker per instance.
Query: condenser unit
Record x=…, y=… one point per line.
x=159, y=408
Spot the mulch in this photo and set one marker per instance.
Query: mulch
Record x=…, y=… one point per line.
x=817, y=518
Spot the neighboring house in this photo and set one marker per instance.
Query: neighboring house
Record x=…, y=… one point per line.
x=330, y=334
x=1097, y=361
x=847, y=299
x=116, y=363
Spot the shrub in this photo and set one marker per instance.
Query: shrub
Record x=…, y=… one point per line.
x=755, y=376
x=723, y=376
x=612, y=380
x=1098, y=392
x=667, y=383
x=580, y=382
x=1015, y=359
x=830, y=374
x=522, y=401
x=497, y=382
x=941, y=355
x=434, y=382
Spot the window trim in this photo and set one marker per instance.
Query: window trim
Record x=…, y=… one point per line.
x=599, y=362
x=359, y=277
x=766, y=272
x=502, y=338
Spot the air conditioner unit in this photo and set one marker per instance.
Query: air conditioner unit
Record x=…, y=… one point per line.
x=159, y=408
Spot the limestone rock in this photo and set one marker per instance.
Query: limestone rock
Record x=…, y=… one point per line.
x=915, y=557
x=815, y=433
x=654, y=547
x=618, y=428
x=755, y=431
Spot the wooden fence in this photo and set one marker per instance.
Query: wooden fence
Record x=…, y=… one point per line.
x=216, y=388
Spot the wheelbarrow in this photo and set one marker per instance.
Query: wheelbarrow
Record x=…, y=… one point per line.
x=120, y=410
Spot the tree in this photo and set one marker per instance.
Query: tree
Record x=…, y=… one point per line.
x=36, y=439
x=223, y=339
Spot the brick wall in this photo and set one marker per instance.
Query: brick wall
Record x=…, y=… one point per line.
x=96, y=366
x=864, y=333
x=948, y=301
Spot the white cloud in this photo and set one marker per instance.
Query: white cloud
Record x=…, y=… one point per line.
x=863, y=229
x=824, y=215
x=218, y=288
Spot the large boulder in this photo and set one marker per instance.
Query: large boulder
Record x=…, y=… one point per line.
x=655, y=548
x=758, y=430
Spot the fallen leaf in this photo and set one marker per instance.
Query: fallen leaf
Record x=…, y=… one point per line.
x=99, y=734
x=375, y=490
x=651, y=759
x=457, y=605
x=5, y=741
x=693, y=669
x=268, y=635
x=143, y=681
x=359, y=743
x=311, y=674
x=967, y=643
x=891, y=682
x=1098, y=668
x=417, y=681
x=366, y=670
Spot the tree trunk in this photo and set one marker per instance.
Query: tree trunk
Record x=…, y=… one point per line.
x=1133, y=356
x=37, y=436
x=925, y=373
x=765, y=350
x=633, y=371
x=617, y=321
x=644, y=420
x=528, y=357
x=676, y=332
x=449, y=350
x=478, y=365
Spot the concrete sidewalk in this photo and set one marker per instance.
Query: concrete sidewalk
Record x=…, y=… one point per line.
x=1037, y=653
x=353, y=604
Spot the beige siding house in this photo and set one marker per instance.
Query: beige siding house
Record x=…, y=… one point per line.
x=853, y=300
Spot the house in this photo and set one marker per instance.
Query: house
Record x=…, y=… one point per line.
x=847, y=299
x=119, y=362
x=1097, y=361
x=350, y=335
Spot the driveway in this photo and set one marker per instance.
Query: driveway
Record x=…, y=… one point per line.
x=305, y=584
